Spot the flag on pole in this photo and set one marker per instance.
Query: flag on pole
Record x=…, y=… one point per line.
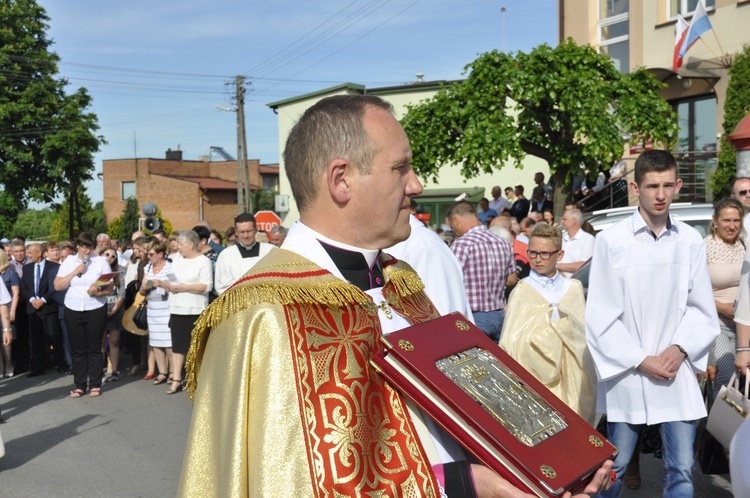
x=698, y=25
x=681, y=31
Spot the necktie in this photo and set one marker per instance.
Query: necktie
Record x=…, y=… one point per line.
x=37, y=277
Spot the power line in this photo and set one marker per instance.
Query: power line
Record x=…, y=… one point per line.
x=262, y=91
x=262, y=63
x=335, y=30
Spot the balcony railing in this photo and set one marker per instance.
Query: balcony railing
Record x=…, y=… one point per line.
x=695, y=169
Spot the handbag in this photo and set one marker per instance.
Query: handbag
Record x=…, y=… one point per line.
x=729, y=410
x=709, y=453
x=140, y=318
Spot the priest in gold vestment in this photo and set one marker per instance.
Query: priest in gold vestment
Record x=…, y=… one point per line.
x=285, y=400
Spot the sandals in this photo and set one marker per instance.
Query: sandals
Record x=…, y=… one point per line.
x=77, y=393
x=173, y=389
x=149, y=376
x=160, y=379
x=95, y=391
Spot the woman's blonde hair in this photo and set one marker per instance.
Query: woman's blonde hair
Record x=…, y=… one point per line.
x=727, y=203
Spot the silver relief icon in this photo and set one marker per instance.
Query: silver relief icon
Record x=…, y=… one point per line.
x=503, y=395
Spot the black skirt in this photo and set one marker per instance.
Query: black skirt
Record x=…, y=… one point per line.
x=182, y=329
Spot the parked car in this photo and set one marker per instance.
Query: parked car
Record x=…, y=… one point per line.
x=697, y=216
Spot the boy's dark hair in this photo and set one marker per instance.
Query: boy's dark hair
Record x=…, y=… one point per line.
x=203, y=232
x=243, y=218
x=654, y=161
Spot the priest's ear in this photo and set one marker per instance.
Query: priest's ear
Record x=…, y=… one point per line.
x=338, y=180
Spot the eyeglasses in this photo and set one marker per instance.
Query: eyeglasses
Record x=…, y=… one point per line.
x=541, y=254
x=108, y=255
x=742, y=193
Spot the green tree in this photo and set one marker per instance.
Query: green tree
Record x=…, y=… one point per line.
x=46, y=137
x=264, y=200
x=567, y=105
x=91, y=219
x=736, y=105
x=129, y=219
x=33, y=224
x=115, y=229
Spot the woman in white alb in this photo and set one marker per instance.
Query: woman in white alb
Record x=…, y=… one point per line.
x=188, y=290
x=154, y=287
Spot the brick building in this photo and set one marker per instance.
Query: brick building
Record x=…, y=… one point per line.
x=185, y=191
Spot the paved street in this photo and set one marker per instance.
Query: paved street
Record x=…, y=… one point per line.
x=130, y=442
x=127, y=443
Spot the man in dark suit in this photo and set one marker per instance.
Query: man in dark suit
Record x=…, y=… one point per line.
x=520, y=208
x=41, y=308
x=539, y=201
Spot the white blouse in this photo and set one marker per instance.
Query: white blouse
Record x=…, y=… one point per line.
x=77, y=297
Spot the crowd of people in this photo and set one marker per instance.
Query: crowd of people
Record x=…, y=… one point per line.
x=279, y=364
x=67, y=302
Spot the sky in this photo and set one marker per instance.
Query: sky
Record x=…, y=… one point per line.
x=160, y=73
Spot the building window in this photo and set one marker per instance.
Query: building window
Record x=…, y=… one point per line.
x=687, y=7
x=269, y=183
x=696, y=146
x=614, y=31
x=697, y=120
x=127, y=190
x=611, y=8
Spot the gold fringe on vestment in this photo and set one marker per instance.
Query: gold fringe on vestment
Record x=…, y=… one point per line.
x=292, y=288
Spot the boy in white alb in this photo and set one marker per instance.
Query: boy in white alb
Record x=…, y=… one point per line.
x=650, y=319
x=544, y=326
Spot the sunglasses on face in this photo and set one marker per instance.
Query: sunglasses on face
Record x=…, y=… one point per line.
x=742, y=193
x=108, y=255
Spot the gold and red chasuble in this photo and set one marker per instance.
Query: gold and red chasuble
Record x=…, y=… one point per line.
x=361, y=441
x=359, y=437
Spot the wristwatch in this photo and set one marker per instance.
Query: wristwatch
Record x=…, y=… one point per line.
x=682, y=350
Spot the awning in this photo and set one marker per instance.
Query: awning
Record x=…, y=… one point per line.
x=448, y=195
x=663, y=74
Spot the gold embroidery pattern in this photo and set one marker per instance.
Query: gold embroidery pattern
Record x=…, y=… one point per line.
x=418, y=308
x=359, y=437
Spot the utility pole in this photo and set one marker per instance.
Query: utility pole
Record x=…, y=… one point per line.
x=244, y=199
x=502, y=11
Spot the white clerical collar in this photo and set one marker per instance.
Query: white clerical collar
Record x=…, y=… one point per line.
x=247, y=247
x=370, y=254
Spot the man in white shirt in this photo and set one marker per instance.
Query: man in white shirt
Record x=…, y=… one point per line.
x=233, y=262
x=498, y=203
x=436, y=265
x=650, y=320
x=577, y=244
x=741, y=192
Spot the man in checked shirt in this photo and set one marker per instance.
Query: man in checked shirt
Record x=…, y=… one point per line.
x=487, y=264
